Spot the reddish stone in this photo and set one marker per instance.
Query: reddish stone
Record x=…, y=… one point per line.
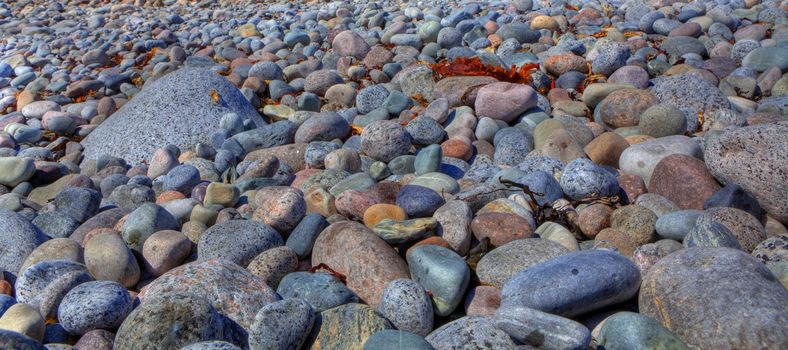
x=353, y=203
x=483, y=301
x=500, y=228
x=456, y=149
x=169, y=196
x=683, y=180
x=632, y=185
x=303, y=175
x=369, y=264
x=623, y=107
x=606, y=149
x=593, y=219
x=562, y=63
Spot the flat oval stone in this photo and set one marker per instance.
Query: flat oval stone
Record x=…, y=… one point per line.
x=677, y=175
x=641, y=159
x=441, y=271
x=500, y=228
x=350, y=248
x=764, y=58
x=741, y=285
x=108, y=258
x=500, y=264
x=419, y=201
x=37, y=278
x=573, y=284
x=346, y=327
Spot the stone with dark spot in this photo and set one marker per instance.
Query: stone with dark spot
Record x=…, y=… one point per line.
x=574, y=284
x=346, y=327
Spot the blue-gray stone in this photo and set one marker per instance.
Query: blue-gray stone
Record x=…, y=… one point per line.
x=391, y=339
x=425, y=131
x=610, y=56
x=182, y=178
x=441, y=271
x=94, y=305
x=574, y=284
x=266, y=136
x=322, y=127
x=428, y=159
x=321, y=290
x=407, y=306
x=542, y=330
x=18, y=240
x=284, y=324
x=266, y=70
x=418, y=201
x=6, y=301
x=36, y=279
x=582, y=179
x=512, y=145
x=544, y=186
x=78, y=203
x=397, y=102
x=402, y=165
x=175, y=109
x=55, y=224
x=675, y=225
x=370, y=98
x=303, y=236
x=237, y=241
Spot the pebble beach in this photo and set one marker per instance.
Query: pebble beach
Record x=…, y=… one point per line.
x=393, y=175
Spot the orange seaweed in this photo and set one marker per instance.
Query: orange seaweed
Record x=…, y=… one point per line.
x=473, y=66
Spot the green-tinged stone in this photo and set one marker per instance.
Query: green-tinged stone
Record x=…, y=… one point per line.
x=278, y=112
x=628, y=330
x=346, y=327
x=357, y=181
x=14, y=170
x=428, y=160
x=325, y=179
x=222, y=194
x=441, y=271
x=403, y=165
x=396, y=232
x=438, y=182
x=379, y=170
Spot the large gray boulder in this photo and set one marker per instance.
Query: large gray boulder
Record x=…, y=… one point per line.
x=175, y=109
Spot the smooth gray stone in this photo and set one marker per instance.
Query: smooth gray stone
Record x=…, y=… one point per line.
x=574, y=284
